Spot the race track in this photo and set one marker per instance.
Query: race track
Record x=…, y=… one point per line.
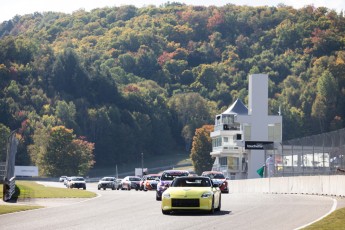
x=139, y=210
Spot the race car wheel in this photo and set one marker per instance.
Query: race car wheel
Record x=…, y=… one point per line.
x=220, y=204
x=212, y=207
x=165, y=212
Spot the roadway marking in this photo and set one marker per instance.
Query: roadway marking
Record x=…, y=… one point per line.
x=334, y=206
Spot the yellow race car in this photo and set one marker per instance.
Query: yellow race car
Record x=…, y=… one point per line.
x=191, y=193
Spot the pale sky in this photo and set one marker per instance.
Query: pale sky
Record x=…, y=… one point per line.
x=10, y=8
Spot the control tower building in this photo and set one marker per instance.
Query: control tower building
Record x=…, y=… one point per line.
x=243, y=136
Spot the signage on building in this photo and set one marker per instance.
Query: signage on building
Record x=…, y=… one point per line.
x=258, y=145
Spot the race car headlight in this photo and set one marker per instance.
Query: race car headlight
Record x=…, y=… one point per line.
x=206, y=195
x=166, y=195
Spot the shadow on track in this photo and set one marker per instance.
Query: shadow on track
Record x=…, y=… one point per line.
x=199, y=213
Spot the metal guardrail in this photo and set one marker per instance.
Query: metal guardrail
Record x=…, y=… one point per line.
x=9, y=188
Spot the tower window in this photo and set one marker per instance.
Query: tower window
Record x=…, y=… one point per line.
x=223, y=161
x=238, y=136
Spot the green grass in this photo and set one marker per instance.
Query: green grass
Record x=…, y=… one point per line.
x=189, y=168
x=16, y=208
x=336, y=220
x=173, y=159
x=29, y=189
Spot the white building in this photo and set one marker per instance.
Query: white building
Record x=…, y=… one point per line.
x=243, y=137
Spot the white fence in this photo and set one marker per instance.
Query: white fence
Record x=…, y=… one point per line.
x=333, y=185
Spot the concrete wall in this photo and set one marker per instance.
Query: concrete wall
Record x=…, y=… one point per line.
x=318, y=185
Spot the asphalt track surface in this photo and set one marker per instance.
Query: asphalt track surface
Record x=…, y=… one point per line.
x=116, y=209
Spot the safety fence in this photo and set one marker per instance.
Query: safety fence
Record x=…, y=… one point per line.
x=321, y=154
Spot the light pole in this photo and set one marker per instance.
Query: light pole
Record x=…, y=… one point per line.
x=142, y=164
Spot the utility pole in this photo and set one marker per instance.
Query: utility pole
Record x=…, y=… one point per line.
x=142, y=164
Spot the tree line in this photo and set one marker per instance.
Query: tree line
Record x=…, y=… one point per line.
x=125, y=80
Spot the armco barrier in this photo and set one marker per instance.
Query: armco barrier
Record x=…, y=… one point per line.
x=9, y=188
x=333, y=185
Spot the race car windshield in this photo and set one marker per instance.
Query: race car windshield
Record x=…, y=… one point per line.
x=216, y=176
x=78, y=179
x=168, y=176
x=191, y=182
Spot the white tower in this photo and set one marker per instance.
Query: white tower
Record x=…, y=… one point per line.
x=241, y=134
x=261, y=126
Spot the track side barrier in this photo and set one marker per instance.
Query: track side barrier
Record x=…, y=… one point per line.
x=333, y=185
x=9, y=188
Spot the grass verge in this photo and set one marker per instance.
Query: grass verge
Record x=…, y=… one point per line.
x=173, y=159
x=4, y=209
x=336, y=220
x=30, y=189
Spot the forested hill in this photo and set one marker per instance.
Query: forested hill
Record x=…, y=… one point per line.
x=135, y=80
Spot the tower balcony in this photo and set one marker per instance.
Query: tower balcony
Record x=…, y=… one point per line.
x=226, y=127
x=225, y=150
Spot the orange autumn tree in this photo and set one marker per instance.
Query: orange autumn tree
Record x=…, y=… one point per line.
x=201, y=149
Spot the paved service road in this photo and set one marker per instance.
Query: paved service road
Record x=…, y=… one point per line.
x=116, y=209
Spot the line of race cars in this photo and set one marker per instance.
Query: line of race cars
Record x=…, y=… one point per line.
x=73, y=182
x=177, y=189
x=147, y=182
